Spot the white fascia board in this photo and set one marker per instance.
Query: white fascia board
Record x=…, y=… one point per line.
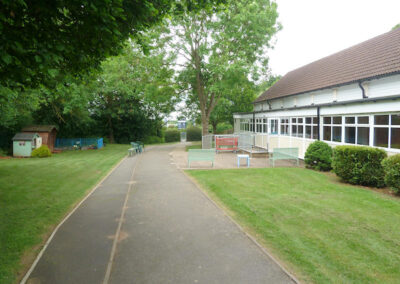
x=389, y=105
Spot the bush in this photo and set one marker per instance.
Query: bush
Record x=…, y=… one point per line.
x=319, y=156
x=359, y=165
x=172, y=135
x=391, y=167
x=41, y=152
x=153, y=140
x=193, y=134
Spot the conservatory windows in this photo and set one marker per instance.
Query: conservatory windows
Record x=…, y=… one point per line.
x=332, y=129
x=273, y=123
x=285, y=126
x=311, y=127
x=297, y=127
x=387, y=131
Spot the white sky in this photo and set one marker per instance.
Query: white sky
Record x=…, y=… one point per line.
x=313, y=29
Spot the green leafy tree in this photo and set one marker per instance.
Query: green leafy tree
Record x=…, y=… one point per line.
x=396, y=27
x=216, y=44
x=42, y=40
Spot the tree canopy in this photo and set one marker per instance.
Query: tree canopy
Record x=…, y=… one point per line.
x=218, y=46
x=43, y=40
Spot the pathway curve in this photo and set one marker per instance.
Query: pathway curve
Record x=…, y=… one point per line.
x=170, y=233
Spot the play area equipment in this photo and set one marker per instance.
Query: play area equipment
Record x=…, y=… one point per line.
x=201, y=155
x=226, y=143
x=284, y=154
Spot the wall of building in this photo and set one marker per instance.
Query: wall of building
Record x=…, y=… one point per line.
x=22, y=148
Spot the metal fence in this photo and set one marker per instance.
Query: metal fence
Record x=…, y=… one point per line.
x=80, y=142
x=245, y=141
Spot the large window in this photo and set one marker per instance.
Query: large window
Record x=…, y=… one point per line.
x=297, y=126
x=387, y=131
x=273, y=126
x=332, y=128
x=258, y=125
x=265, y=125
x=356, y=130
x=285, y=126
x=311, y=127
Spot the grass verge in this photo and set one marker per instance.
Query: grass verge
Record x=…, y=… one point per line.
x=323, y=231
x=36, y=193
x=194, y=145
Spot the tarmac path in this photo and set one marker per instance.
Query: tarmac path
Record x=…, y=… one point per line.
x=169, y=233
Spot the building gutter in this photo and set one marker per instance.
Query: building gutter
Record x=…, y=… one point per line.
x=328, y=104
x=332, y=86
x=319, y=123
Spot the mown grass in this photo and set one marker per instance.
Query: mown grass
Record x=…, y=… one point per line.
x=194, y=145
x=36, y=193
x=324, y=231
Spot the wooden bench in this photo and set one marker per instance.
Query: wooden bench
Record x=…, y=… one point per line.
x=284, y=154
x=201, y=155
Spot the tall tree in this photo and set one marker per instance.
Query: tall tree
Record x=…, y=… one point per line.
x=216, y=44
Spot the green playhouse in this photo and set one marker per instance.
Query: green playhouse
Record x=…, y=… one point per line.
x=24, y=143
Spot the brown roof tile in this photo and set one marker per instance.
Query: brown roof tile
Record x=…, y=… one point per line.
x=39, y=128
x=378, y=56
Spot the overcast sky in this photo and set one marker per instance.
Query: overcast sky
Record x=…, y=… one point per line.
x=313, y=29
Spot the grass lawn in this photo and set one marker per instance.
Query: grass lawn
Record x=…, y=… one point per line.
x=194, y=145
x=36, y=193
x=322, y=230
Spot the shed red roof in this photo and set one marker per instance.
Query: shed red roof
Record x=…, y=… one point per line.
x=376, y=57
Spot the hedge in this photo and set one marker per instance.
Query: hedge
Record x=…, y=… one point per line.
x=41, y=152
x=391, y=166
x=359, y=165
x=172, y=135
x=193, y=134
x=319, y=156
x=153, y=140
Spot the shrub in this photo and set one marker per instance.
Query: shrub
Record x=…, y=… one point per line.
x=193, y=134
x=391, y=166
x=153, y=140
x=319, y=156
x=359, y=165
x=172, y=135
x=224, y=128
x=41, y=152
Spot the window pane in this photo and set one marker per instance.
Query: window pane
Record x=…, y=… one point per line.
x=300, y=131
x=283, y=129
x=381, y=119
x=395, y=119
x=300, y=120
x=337, y=120
x=363, y=135
x=308, y=120
x=294, y=130
x=381, y=137
x=350, y=120
x=327, y=133
x=308, y=131
x=395, y=138
x=363, y=119
x=350, y=135
x=327, y=120
x=293, y=120
x=315, y=132
x=315, y=120
x=337, y=134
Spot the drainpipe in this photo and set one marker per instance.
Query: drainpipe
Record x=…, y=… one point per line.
x=362, y=90
x=269, y=105
x=319, y=128
x=254, y=121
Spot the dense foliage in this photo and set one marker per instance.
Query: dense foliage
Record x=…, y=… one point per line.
x=172, y=135
x=319, y=156
x=391, y=166
x=359, y=165
x=41, y=152
x=43, y=40
x=193, y=134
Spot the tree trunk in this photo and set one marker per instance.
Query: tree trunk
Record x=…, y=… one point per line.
x=205, y=123
x=110, y=130
x=214, y=126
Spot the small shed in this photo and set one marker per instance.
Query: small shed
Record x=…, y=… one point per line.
x=24, y=143
x=47, y=132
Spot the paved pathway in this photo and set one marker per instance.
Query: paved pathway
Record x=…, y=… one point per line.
x=171, y=233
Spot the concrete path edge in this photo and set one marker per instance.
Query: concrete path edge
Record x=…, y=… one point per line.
x=253, y=239
x=28, y=273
